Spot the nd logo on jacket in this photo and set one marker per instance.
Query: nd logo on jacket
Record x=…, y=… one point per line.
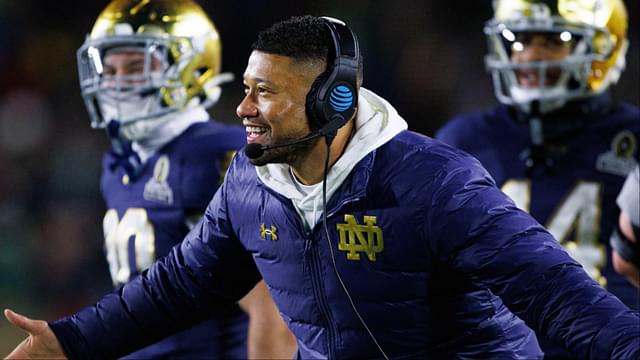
x=356, y=238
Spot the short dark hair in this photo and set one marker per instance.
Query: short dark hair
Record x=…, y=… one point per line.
x=305, y=38
x=300, y=37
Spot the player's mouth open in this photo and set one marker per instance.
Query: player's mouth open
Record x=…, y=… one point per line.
x=532, y=78
x=255, y=133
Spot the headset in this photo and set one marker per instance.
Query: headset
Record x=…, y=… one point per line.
x=333, y=97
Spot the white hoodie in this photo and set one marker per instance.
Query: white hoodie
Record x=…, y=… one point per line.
x=376, y=123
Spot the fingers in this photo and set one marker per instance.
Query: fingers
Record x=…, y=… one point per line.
x=23, y=322
x=13, y=318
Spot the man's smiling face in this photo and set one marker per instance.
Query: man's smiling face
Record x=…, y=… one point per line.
x=273, y=109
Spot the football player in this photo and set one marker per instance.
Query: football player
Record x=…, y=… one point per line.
x=558, y=144
x=148, y=71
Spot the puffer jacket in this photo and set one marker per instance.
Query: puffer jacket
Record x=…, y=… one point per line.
x=411, y=213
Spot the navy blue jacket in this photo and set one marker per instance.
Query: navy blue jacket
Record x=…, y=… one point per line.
x=408, y=213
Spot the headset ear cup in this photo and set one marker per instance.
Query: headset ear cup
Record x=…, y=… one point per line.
x=316, y=120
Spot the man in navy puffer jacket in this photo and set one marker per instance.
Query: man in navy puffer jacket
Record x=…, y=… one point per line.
x=407, y=220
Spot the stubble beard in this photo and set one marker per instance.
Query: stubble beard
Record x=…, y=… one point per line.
x=287, y=154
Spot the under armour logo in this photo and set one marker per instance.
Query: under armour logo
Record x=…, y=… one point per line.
x=356, y=238
x=271, y=233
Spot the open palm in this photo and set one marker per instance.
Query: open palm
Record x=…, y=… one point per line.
x=41, y=342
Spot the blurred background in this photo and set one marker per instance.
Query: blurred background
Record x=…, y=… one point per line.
x=424, y=56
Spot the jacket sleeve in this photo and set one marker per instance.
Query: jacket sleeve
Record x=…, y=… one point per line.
x=479, y=231
x=202, y=275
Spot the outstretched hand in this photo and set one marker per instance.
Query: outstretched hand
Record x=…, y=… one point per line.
x=41, y=342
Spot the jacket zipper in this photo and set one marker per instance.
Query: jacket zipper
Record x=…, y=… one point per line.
x=319, y=294
x=315, y=272
x=305, y=257
x=316, y=278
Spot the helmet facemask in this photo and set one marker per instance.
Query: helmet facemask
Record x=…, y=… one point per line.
x=551, y=81
x=142, y=96
x=576, y=53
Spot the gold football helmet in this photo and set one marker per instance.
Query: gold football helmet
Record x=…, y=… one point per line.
x=181, y=66
x=594, y=33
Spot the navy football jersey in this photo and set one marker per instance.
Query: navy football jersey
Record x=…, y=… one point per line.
x=148, y=215
x=573, y=196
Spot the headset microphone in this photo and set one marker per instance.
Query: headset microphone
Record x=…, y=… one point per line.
x=254, y=151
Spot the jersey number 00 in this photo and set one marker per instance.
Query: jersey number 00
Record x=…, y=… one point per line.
x=129, y=243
